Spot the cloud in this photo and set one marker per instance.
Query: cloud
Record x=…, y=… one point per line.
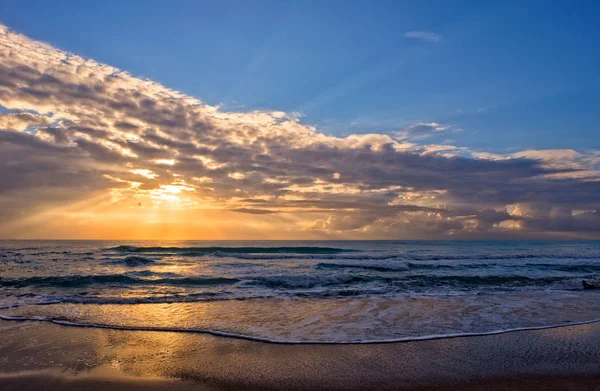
x=253, y=211
x=22, y=120
x=421, y=130
x=424, y=36
x=83, y=144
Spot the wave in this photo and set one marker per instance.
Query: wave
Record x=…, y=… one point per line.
x=467, y=257
x=393, y=284
x=133, y=261
x=306, y=280
x=580, y=268
x=318, y=256
x=377, y=266
x=420, y=283
x=200, y=297
x=247, y=337
x=323, y=253
x=108, y=279
x=499, y=282
x=390, y=283
x=363, y=255
x=233, y=250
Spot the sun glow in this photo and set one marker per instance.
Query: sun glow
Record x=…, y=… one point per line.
x=171, y=193
x=166, y=162
x=145, y=173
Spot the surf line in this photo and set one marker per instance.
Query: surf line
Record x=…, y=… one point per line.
x=217, y=333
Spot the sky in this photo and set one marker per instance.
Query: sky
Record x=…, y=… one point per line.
x=299, y=120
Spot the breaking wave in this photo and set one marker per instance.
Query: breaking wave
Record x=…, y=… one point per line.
x=110, y=279
x=386, y=283
x=133, y=261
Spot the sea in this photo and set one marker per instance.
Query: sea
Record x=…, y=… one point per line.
x=313, y=292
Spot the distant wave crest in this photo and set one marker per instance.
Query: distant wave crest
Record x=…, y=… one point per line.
x=233, y=250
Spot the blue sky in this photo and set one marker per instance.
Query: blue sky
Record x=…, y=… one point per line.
x=511, y=75
x=306, y=120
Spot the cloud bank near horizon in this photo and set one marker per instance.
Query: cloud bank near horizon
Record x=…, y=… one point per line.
x=88, y=150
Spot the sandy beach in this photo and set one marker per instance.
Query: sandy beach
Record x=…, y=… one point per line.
x=37, y=355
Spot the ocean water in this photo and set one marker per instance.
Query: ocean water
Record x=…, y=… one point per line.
x=303, y=292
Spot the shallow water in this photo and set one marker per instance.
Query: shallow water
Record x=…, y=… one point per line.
x=303, y=291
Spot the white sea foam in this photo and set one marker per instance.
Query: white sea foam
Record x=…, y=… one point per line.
x=351, y=320
x=218, y=333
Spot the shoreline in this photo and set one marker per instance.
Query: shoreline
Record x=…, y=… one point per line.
x=33, y=354
x=244, y=337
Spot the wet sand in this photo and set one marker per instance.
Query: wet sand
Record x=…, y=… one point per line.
x=37, y=356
